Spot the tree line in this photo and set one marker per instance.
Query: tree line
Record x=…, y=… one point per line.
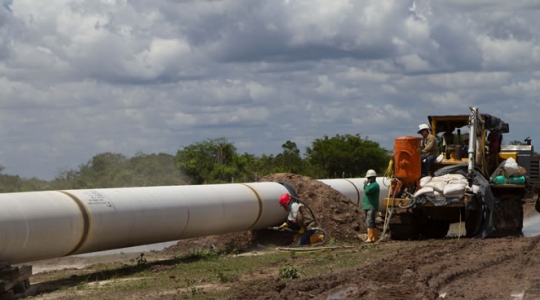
x=213, y=161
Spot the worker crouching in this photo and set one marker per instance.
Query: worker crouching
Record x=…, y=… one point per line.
x=370, y=204
x=301, y=220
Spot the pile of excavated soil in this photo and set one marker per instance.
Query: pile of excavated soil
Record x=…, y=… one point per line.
x=335, y=213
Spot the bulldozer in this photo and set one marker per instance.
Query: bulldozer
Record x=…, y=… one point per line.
x=487, y=207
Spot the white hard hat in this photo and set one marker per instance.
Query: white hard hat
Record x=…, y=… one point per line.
x=422, y=127
x=371, y=173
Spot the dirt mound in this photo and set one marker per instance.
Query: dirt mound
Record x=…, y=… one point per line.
x=226, y=242
x=335, y=213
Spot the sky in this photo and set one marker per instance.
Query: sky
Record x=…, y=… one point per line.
x=80, y=78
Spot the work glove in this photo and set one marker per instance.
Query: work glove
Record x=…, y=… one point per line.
x=283, y=226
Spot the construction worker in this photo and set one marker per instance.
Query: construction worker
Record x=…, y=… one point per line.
x=429, y=148
x=299, y=219
x=370, y=204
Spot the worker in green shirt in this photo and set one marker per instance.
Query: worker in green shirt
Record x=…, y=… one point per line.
x=370, y=204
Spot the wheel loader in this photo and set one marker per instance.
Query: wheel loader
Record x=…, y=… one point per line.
x=487, y=207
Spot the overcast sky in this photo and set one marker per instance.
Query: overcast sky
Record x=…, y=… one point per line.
x=79, y=78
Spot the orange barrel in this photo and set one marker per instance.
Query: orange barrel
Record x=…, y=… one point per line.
x=407, y=159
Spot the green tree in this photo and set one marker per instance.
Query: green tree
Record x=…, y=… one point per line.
x=517, y=143
x=116, y=170
x=289, y=161
x=205, y=161
x=105, y=170
x=154, y=170
x=247, y=167
x=348, y=155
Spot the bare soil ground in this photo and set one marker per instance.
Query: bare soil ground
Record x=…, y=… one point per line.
x=449, y=269
x=457, y=268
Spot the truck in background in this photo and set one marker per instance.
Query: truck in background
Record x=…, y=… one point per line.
x=487, y=208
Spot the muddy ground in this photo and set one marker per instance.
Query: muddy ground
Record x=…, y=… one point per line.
x=441, y=269
x=451, y=268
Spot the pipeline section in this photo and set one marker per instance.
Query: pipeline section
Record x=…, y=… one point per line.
x=50, y=224
x=353, y=188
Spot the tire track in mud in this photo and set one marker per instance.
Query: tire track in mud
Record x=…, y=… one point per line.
x=465, y=273
x=457, y=269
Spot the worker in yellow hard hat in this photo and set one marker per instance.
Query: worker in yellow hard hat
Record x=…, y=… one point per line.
x=429, y=148
x=370, y=204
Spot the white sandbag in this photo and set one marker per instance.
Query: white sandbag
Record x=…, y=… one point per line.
x=436, y=185
x=461, y=181
x=443, y=178
x=511, y=167
x=428, y=191
x=473, y=189
x=424, y=180
x=454, y=189
x=455, y=177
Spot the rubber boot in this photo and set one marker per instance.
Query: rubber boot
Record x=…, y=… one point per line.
x=369, y=235
x=316, y=238
x=375, y=234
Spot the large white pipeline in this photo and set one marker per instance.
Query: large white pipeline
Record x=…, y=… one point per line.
x=49, y=224
x=39, y=225
x=353, y=188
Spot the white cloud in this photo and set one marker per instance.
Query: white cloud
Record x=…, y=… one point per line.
x=509, y=54
x=82, y=77
x=527, y=89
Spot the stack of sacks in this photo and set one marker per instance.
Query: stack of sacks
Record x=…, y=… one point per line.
x=449, y=185
x=509, y=172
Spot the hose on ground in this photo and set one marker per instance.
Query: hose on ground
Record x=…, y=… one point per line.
x=315, y=230
x=388, y=212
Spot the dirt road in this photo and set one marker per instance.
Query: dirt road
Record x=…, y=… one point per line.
x=437, y=269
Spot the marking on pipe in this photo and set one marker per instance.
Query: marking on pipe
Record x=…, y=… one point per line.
x=187, y=223
x=260, y=206
x=357, y=191
x=86, y=221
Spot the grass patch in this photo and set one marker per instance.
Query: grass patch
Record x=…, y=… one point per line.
x=201, y=274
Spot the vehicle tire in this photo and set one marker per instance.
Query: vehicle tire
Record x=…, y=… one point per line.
x=403, y=226
x=473, y=219
x=402, y=232
x=508, y=216
x=436, y=229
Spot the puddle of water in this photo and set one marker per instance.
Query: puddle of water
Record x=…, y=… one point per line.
x=143, y=248
x=531, y=225
x=517, y=296
x=340, y=295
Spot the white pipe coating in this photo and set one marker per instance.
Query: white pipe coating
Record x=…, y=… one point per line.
x=353, y=188
x=49, y=224
x=40, y=225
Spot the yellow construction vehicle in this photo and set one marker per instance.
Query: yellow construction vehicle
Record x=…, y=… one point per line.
x=421, y=206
